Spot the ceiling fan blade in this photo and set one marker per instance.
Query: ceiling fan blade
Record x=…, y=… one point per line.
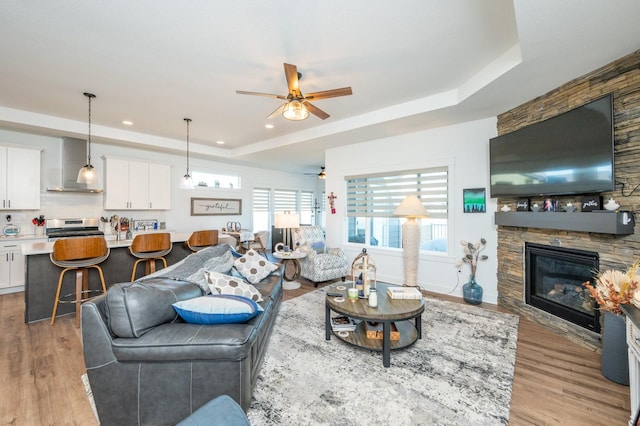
x=291, y=73
x=276, y=112
x=344, y=91
x=268, y=95
x=315, y=110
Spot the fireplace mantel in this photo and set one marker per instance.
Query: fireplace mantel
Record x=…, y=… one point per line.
x=598, y=222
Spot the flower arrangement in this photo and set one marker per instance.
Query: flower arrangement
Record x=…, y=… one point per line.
x=39, y=221
x=613, y=288
x=472, y=255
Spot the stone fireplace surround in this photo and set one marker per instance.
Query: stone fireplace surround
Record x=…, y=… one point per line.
x=622, y=79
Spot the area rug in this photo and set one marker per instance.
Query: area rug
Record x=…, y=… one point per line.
x=459, y=373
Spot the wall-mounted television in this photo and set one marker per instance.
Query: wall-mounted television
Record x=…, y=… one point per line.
x=571, y=153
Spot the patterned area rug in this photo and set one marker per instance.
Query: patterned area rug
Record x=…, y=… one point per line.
x=461, y=372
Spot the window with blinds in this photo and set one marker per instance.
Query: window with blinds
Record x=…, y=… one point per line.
x=306, y=208
x=372, y=199
x=261, y=200
x=378, y=195
x=285, y=201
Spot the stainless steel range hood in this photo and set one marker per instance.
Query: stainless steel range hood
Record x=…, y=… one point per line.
x=73, y=155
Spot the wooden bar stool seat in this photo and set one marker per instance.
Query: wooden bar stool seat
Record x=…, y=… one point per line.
x=79, y=254
x=202, y=239
x=149, y=248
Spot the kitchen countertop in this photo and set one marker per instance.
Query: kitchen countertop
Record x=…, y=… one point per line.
x=42, y=246
x=20, y=237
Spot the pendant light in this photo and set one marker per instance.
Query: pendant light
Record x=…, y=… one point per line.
x=187, y=181
x=87, y=174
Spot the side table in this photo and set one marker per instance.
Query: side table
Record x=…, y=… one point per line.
x=293, y=258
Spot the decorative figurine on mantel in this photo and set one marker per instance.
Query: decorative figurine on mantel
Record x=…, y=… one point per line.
x=363, y=270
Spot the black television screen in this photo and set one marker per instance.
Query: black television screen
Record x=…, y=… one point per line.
x=571, y=153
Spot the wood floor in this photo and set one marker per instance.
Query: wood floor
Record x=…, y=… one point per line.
x=557, y=382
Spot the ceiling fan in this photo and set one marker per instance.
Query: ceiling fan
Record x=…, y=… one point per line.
x=321, y=175
x=298, y=106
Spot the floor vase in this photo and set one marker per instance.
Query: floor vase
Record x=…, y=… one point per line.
x=472, y=292
x=615, y=358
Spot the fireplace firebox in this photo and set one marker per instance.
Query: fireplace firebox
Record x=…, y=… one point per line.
x=553, y=283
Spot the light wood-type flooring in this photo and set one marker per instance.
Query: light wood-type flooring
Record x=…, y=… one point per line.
x=557, y=382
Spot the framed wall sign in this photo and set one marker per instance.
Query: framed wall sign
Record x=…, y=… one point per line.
x=215, y=207
x=474, y=200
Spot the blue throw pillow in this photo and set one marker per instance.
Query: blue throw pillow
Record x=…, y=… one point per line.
x=217, y=309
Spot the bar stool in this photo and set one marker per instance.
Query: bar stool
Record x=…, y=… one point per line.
x=148, y=248
x=202, y=239
x=79, y=254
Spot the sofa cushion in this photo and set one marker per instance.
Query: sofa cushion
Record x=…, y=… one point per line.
x=135, y=308
x=223, y=409
x=254, y=267
x=226, y=284
x=217, y=309
x=317, y=246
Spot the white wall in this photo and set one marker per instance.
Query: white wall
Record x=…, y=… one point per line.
x=64, y=205
x=465, y=148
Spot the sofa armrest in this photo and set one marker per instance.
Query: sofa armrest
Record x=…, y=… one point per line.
x=96, y=339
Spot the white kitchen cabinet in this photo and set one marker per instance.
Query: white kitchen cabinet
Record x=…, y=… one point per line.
x=19, y=178
x=11, y=264
x=136, y=185
x=159, y=187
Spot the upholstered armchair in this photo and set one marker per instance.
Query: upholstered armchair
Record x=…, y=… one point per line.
x=322, y=263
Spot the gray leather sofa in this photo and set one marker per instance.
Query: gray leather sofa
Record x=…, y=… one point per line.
x=148, y=367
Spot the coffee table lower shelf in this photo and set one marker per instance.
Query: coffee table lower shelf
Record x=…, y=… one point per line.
x=408, y=336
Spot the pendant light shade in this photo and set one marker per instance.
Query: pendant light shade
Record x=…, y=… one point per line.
x=88, y=174
x=187, y=181
x=295, y=111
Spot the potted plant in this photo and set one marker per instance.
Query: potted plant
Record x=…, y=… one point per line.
x=613, y=288
x=471, y=291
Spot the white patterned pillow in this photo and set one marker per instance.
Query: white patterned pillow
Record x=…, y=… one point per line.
x=226, y=284
x=254, y=267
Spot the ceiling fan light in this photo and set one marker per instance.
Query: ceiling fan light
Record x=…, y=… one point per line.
x=295, y=111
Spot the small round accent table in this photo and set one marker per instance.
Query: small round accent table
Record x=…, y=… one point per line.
x=292, y=258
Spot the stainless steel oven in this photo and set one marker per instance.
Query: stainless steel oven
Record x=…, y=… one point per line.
x=74, y=227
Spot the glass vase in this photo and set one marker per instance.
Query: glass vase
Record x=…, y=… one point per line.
x=472, y=292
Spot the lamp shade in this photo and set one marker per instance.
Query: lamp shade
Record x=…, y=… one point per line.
x=187, y=182
x=287, y=220
x=88, y=175
x=411, y=207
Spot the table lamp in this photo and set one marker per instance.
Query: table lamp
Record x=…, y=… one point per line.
x=287, y=221
x=412, y=209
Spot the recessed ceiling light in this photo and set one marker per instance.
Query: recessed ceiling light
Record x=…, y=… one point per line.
x=127, y=122
x=220, y=142
x=269, y=126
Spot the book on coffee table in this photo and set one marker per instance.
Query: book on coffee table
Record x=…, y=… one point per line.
x=404, y=293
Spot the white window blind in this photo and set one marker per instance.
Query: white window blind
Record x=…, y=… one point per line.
x=261, y=199
x=285, y=201
x=260, y=203
x=378, y=195
x=306, y=208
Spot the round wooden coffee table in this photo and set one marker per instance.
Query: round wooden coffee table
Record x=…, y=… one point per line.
x=291, y=259
x=405, y=314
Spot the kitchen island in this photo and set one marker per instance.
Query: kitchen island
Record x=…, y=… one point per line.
x=41, y=276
